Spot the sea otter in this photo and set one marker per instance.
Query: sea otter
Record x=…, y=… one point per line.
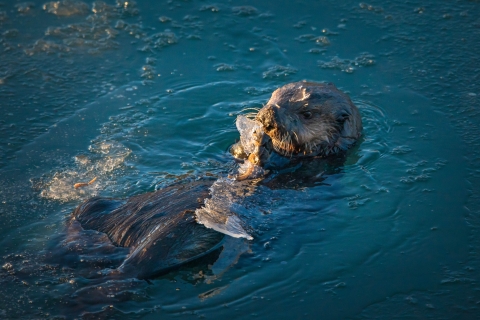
x=305, y=119
x=301, y=119
x=158, y=227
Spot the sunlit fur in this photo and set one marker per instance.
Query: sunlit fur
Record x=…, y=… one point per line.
x=310, y=119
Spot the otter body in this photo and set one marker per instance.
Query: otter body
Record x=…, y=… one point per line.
x=301, y=119
x=158, y=227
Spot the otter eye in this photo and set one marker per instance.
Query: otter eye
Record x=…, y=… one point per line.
x=307, y=114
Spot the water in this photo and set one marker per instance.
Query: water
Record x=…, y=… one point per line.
x=143, y=95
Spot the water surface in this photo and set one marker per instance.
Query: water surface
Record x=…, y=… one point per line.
x=141, y=95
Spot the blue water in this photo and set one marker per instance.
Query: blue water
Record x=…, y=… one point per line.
x=141, y=95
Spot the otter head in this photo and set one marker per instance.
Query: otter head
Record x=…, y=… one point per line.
x=308, y=119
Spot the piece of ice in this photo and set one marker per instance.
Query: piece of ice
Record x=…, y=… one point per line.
x=247, y=127
x=222, y=211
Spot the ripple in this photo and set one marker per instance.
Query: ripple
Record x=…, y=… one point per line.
x=279, y=71
x=348, y=65
x=25, y=7
x=245, y=11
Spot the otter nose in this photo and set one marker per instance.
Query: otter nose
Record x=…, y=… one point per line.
x=266, y=116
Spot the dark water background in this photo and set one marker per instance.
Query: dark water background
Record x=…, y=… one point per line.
x=143, y=94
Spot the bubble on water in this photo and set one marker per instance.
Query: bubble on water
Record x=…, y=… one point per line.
x=164, y=19
x=148, y=72
x=266, y=15
x=94, y=35
x=7, y=266
x=159, y=41
x=24, y=7
x=224, y=67
x=85, y=35
x=300, y=24
x=257, y=91
x=413, y=179
x=128, y=8
x=322, y=40
x=120, y=24
x=348, y=65
x=135, y=30
x=210, y=7
x=278, y=71
x=194, y=37
x=329, y=32
x=66, y=7
x=113, y=154
x=46, y=47
x=368, y=7
x=245, y=11
x=305, y=37
x=419, y=10
x=401, y=150
x=82, y=159
x=190, y=17
x=316, y=51
x=357, y=201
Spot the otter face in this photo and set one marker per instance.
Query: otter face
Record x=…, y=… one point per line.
x=308, y=119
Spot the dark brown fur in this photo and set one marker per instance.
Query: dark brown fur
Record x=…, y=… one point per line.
x=159, y=227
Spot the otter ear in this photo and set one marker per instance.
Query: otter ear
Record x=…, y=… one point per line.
x=348, y=127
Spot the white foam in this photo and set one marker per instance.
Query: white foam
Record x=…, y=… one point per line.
x=105, y=157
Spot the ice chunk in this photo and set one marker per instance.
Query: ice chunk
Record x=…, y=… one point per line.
x=247, y=129
x=222, y=211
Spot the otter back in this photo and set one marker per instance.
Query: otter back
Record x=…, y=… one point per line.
x=158, y=227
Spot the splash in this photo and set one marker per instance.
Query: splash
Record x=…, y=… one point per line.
x=105, y=157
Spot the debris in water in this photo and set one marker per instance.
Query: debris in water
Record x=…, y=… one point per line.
x=84, y=184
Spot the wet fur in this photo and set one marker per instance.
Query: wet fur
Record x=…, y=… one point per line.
x=334, y=125
x=158, y=227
